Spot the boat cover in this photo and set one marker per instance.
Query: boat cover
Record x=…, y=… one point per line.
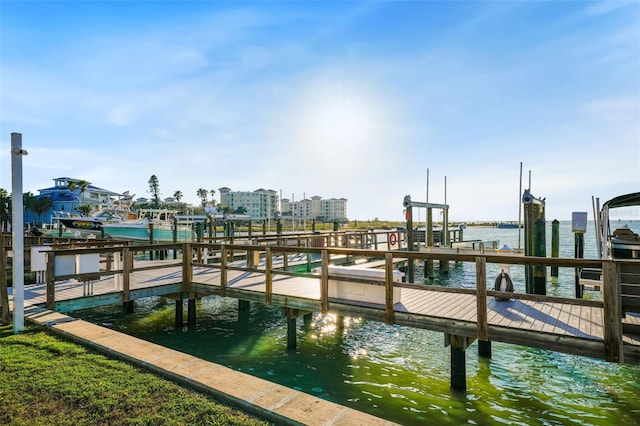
x=632, y=199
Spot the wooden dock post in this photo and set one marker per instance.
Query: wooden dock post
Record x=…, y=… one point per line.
x=459, y=345
x=150, y=240
x=612, y=312
x=484, y=345
x=51, y=281
x=535, y=276
x=127, y=304
x=388, y=282
x=444, y=239
x=291, y=332
x=428, y=264
x=244, y=305
x=540, y=250
x=223, y=270
x=555, y=244
x=179, y=312
x=268, y=277
x=307, y=318
x=191, y=310
x=409, y=270
x=324, y=280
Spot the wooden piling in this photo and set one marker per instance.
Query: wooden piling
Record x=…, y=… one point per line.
x=191, y=310
x=179, y=313
x=484, y=348
x=555, y=244
x=612, y=313
x=458, y=362
x=244, y=305
x=409, y=270
x=150, y=240
x=540, y=250
x=291, y=332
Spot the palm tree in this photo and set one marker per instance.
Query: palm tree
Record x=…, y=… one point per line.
x=41, y=205
x=178, y=196
x=83, y=184
x=202, y=193
x=72, y=188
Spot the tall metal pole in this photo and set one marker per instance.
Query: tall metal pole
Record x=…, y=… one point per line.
x=17, y=230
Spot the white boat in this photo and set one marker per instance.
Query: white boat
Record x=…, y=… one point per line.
x=162, y=222
x=64, y=224
x=623, y=243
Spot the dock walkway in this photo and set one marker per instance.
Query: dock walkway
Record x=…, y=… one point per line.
x=554, y=323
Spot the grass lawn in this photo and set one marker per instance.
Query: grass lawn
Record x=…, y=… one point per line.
x=46, y=380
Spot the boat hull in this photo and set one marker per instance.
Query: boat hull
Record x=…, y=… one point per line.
x=82, y=224
x=138, y=232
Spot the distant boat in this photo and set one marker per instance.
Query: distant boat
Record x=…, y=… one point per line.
x=95, y=222
x=507, y=225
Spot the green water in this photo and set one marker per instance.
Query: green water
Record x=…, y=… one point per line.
x=395, y=372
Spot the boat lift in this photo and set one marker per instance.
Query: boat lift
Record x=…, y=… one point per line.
x=408, y=205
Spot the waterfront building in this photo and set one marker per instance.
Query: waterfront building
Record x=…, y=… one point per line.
x=68, y=194
x=332, y=209
x=258, y=204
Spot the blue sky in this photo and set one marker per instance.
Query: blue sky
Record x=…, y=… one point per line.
x=337, y=99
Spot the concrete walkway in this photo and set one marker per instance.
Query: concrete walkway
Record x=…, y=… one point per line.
x=271, y=401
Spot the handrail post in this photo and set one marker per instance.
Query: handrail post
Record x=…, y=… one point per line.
x=126, y=273
x=324, y=280
x=187, y=266
x=388, y=283
x=51, y=280
x=481, y=298
x=223, y=270
x=612, y=312
x=268, y=277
